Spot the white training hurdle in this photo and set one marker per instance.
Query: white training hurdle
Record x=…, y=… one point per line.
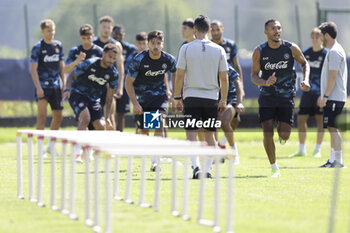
x=108, y=143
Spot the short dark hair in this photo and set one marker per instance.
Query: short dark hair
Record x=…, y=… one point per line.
x=141, y=36
x=202, y=23
x=107, y=19
x=330, y=28
x=188, y=22
x=110, y=47
x=156, y=34
x=270, y=21
x=119, y=27
x=86, y=30
x=46, y=23
x=217, y=23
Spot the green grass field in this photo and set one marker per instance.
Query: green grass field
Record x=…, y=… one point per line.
x=298, y=201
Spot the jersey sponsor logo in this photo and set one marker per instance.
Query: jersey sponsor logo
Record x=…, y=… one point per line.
x=44, y=51
x=154, y=73
x=276, y=66
x=315, y=64
x=53, y=58
x=146, y=66
x=100, y=81
x=93, y=70
x=265, y=58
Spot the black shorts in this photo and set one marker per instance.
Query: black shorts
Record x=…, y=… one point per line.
x=123, y=104
x=200, y=109
x=308, y=104
x=53, y=96
x=152, y=104
x=331, y=112
x=273, y=107
x=79, y=102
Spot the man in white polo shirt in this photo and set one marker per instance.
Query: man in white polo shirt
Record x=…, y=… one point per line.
x=333, y=90
x=201, y=61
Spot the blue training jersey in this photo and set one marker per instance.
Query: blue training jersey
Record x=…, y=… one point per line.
x=232, y=76
x=48, y=57
x=94, y=51
x=92, y=78
x=315, y=60
x=280, y=61
x=230, y=48
x=101, y=44
x=149, y=74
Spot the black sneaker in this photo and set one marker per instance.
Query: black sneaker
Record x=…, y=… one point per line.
x=328, y=164
x=196, y=173
x=208, y=175
x=336, y=164
x=154, y=167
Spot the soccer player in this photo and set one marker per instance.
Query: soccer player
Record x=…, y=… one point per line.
x=85, y=85
x=308, y=103
x=105, y=31
x=188, y=31
x=47, y=71
x=233, y=106
x=333, y=90
x=217, y=30
x=86, y=50
x=201, y=61
x=123, y=104
x=275, y=60
x=145, y=82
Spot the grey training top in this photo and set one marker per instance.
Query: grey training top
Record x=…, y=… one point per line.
x=202, y=60
x=335, y=60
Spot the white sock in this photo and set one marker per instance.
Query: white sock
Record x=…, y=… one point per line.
x=77, y=150
x=222, y=141
x=195, y=161
x=274, y=166
x=235, y=148
x=338, y=156
x=209, y=163
x=332, y=156
x=302, y=148
x=317, y=148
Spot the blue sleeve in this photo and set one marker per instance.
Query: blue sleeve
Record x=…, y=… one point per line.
x=34, y=56
x=82, y=67
x=61, y=52
x=233, y=51
x=113, y=83
x=134, y=67
x=172, y=65
x=71, y=56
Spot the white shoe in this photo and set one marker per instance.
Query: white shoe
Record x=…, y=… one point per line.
x=275, y=173
x=316, y=154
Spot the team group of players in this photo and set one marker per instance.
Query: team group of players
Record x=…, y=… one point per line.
x=99, y=67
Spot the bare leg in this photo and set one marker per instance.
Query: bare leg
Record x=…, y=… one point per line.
x=42, y=112
x=269, y=144
x=284, y=130
x=56, y=119
x=302, y=127
x=120, y=121
x=320, y=129
x=84, y=119
x=226, y=118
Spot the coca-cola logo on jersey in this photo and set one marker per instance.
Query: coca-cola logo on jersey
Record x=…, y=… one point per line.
x=53, y=58
x=100, y=81
x=154, y=73
x=276, y=66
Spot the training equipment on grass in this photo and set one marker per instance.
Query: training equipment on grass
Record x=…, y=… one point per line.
x=109, y=146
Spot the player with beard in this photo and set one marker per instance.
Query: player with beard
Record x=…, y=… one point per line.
x=145, y=82
x=275, y=60
x=217, y=30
